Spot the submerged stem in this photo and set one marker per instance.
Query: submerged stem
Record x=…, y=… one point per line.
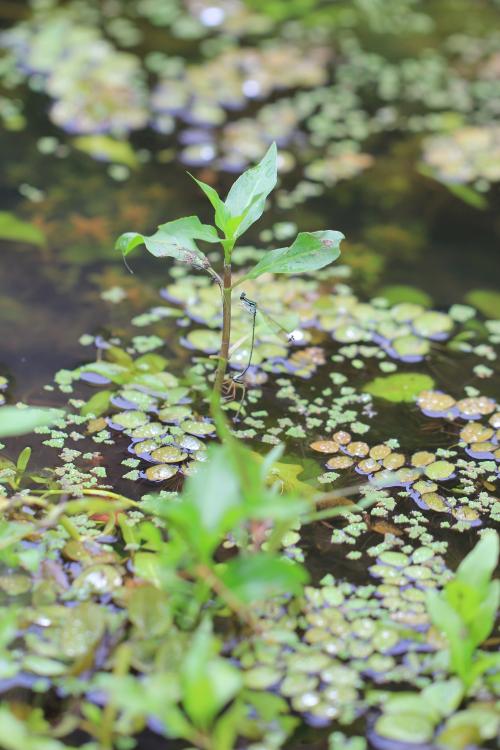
x=226, y=330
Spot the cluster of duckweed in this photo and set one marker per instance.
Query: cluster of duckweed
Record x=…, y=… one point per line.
x=467, y=155
x=339, y=165
x=95, y=87
x=326, y=655
x=352, y=637
x=75, y=55
x=202, y=93
x=403, y=331
x=425, y=475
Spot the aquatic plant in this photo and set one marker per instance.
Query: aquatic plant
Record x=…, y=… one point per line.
x=243, y=206
x=466, y=609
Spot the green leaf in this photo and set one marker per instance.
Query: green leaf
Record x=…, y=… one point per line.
x=486, y=301
x=405, y=727
x=400, y=387
x=105, y=148
x=263, y=575
x=23, y=459
x=12, y=228
x=478, y=566
x=447, y=620
x=208, y=681
x=175, y=239
x=98, y=404
x=309, y=252
x=214, y=491
x=222, y=216
x=247, y=196
x=17, y=735
x=483, y=618
x=444, y=697
x=16, y=420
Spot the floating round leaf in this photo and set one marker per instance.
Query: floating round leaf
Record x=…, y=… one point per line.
x=474, y=407
x=410, y=348
x=174, y=414
x=439, y=470
x=129, y=419
x=160, y=472
x=325, y=446
x=339, y=462
x=199, y=429
x=433, y=325
x=168, y=454
x=149, y=430
x=400, y=387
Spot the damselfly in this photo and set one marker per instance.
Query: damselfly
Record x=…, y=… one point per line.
x=256, y=312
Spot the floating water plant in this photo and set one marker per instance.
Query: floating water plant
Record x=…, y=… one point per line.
x=243, y=206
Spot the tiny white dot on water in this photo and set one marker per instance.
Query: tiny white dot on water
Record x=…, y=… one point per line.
x=212, y=16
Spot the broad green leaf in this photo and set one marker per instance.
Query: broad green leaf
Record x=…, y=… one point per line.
x=175, y=239
x=147, y=566
x=221, y=213
x=444, y=697
x=214, y=490
x=247, y=196
x=477, y=568
x=208, y=681
x=263, y=575
x=16, y=420
x=483, y=618
x=12, y=228
x=309, y=252
x=447, y=620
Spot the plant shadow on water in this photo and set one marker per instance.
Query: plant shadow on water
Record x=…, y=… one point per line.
x=315, y=621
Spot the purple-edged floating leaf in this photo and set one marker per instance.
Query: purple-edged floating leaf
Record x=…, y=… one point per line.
x=310, y=251
x=175, y=239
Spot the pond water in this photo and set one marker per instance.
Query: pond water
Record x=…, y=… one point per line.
x=385, y=124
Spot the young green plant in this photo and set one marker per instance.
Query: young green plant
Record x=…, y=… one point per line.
x=243, y=206
x=466, y=609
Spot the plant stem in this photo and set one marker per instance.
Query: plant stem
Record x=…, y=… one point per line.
x=226, y=330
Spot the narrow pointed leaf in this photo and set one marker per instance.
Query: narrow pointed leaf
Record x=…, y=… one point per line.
x=309, y=252
x=221, y=212
x=477, y=568
x=247, y=197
